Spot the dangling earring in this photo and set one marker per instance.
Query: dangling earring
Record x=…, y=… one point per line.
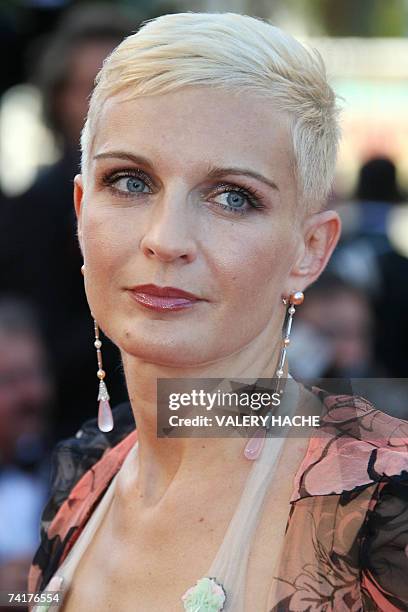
x=295, y=299
x=105, y=418
x=255, y=445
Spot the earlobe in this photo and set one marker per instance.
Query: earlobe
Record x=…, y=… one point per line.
x=78, y=194
x=321, y=234
x=78, y=198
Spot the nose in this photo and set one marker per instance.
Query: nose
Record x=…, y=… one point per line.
x=168, y=236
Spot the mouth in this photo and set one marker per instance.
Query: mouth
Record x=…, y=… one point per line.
x=162, y=299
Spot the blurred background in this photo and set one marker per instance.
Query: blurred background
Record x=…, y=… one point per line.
x=354, y=320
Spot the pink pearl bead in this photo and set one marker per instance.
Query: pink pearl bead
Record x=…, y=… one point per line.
x=296, y=298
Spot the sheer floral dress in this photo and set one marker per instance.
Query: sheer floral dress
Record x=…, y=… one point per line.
x=346, y=539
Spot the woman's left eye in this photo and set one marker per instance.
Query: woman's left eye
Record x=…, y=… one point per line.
x=237, y=200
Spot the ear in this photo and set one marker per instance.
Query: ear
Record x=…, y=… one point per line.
x=78, y=198
x=321, y=232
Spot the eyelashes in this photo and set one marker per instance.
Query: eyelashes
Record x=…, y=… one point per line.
x=109, y=179
x=254, y=198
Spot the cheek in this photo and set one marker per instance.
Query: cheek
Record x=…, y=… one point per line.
x=253, y=264
x=108, y=237
x=108, y=245
x=251, y=267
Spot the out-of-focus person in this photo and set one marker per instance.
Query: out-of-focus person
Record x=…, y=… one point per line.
x=40, y=257
x=376, y=194
x=26, y=403
x=365, y=217
x=391, y=312
x=338, y=320
x=377, y=182
x=366, y=257
x=335, y=344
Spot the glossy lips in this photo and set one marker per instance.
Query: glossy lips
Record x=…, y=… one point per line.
x=163, y=298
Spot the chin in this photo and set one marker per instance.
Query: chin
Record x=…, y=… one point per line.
x=166, y=357
x=176, y=352
x=175, y=344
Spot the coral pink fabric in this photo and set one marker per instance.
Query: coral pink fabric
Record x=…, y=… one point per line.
x=348, y=513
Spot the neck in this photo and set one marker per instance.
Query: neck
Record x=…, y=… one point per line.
x=161, y=460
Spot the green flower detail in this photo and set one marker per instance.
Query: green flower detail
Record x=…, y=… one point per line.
x=206, y=596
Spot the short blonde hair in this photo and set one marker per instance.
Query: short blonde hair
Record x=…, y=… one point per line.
x=235, y=52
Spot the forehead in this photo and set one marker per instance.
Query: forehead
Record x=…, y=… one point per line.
x=196, y=125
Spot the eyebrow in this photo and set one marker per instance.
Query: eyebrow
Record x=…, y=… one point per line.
x=216, y=172
x=213, y=172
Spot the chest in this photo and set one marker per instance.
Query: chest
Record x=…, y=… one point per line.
x=149, y=565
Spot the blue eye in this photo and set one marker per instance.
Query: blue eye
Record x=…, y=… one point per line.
x=237, y=200
x=231, y=197
x=131, y=184
x=127, y=182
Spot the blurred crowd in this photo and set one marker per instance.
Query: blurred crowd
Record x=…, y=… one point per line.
x=48, y=383
x=352, y=324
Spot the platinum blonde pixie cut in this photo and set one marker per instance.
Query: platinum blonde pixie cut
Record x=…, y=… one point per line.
x=238, y=53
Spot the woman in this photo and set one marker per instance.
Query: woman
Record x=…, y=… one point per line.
x=207, y=156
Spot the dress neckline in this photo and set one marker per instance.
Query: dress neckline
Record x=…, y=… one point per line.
x=229, y=565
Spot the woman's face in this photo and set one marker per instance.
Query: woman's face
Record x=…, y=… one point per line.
x=193, y=189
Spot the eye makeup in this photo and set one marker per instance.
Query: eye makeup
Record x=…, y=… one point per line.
x=254, y=199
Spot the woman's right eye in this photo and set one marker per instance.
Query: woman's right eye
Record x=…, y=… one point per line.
x=130, y=184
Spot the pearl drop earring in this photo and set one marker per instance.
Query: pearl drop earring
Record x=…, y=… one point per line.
x=105, y=418
x=255, y=444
